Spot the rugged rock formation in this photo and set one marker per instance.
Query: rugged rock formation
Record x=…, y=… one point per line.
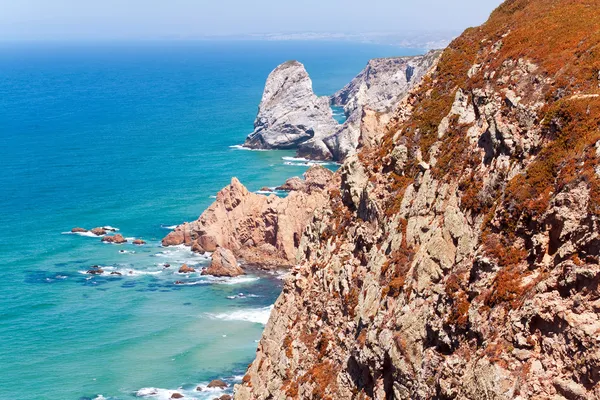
x=458, y=257
x=185, y=269
x=223, y=263
x=289, y=112
x=379, y=88
x=259, y=229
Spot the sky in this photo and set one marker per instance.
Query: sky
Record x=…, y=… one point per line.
x=188, y=19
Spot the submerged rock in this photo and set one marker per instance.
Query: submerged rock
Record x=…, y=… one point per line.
x=223, y=264
x=264, y=230
x=116, y=239
x=289, y=112
x=95, y=270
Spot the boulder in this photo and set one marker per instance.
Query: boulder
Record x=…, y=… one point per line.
x=98, y=231
x=78, y=230
x=266, y=189
x=177, y=396
x=294, y=183
x=289, y=112
x=186, y=270
x=116, y=273
x=217, y=383
x=116, y=239
x=225, y=397
x=139, y=242
x=223, y=264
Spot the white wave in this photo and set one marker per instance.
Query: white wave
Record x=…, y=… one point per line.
x=231, y=281
x=241, y=147
x=182, y=254
x=297, y=159
x=169, y=227
x=127, y=251
x=123, y=271
x=86, y=234
x=205, y=393
x=212, y=197
x=255, y=315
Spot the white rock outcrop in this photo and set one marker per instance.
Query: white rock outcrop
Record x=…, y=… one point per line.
x=290, y=113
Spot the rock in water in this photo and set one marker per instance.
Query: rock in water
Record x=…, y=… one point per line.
x=116, y=239
x=186, y=270
x=223, y=264
x=217, y=383
x=98, y=231
x=78, y=230
x=289, y=112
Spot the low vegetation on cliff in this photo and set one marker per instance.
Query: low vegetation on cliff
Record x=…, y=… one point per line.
x=459, y=258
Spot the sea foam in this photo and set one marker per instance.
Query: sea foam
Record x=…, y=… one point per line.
x=255, y=315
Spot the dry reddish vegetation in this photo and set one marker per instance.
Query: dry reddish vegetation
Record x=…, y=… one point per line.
x=561, y=37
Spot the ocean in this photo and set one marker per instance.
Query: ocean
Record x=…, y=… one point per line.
x=137, y=136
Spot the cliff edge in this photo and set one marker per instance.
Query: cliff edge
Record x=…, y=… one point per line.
x=459, y=256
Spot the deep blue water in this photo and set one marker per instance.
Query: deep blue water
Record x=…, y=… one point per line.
x=135, y=136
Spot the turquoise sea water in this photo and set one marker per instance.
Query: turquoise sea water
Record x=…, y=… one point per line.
x=136, y=136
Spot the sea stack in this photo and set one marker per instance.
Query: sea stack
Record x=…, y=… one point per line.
x=290, y=113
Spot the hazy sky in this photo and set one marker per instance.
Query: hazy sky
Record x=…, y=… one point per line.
x=129, y=19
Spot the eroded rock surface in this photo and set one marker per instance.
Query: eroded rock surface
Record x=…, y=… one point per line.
x=289, y=112
x=458, y=257
x=259, y=229
x=223, y=263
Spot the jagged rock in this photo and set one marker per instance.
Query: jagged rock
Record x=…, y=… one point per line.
x=116, y=239
x=378, y=88
x=223, y=263
x=289, y=112
x=185, y=269
x=217, y=383
x=260, y=229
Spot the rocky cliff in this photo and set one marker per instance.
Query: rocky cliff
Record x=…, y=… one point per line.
x=378, y=88
x=289, y=112
x=457, y=257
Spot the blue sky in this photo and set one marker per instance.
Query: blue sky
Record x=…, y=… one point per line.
x=152, y=19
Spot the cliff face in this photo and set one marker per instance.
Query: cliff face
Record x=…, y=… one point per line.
x=289, y=112
x=379, y=88
x=458, y=256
